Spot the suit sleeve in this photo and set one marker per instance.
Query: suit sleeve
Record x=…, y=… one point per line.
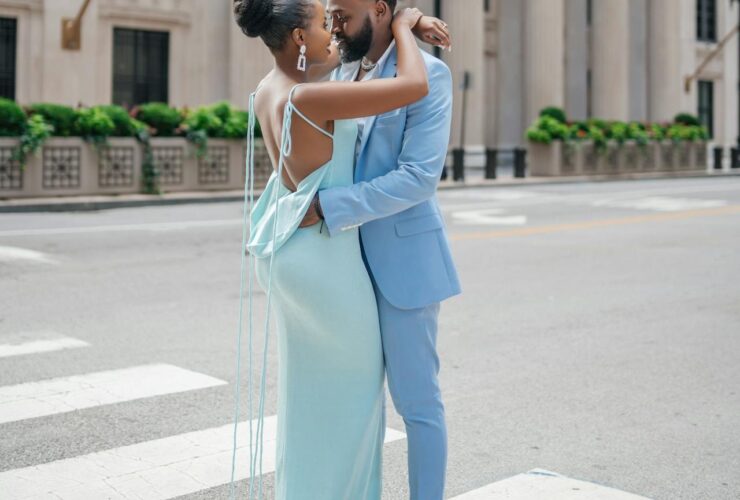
x=420, y=163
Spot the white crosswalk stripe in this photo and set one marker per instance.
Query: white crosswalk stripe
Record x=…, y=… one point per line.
x=539, y=484
x=36, y=342
x=488, y=217
x=23, y=254
x=61, y=395
x=660, y=203
x=153, y=470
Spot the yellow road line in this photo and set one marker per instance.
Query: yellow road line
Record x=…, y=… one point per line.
x=555, y=228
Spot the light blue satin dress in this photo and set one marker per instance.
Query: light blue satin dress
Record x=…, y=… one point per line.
x=330, y=414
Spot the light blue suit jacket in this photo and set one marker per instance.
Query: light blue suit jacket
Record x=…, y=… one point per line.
x=393, y=199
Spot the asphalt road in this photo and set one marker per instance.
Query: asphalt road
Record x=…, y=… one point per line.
x=598, y=335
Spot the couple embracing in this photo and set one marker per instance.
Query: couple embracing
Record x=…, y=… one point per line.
x=347, y=239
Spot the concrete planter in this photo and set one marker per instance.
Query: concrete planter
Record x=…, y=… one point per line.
x=70, y=166
x=180, y=169
x=544, y=159
x=594, y=160
x=584, y=158
x=701, y=155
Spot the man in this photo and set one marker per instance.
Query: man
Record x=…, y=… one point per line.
x=399, y=160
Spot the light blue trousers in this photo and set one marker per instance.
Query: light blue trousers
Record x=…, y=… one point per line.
x=411, y=363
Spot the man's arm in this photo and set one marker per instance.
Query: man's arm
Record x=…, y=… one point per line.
x=420, y=164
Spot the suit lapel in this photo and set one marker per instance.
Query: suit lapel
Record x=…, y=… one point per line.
x=389, y=71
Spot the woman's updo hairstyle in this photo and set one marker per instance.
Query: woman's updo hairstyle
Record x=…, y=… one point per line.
x=272, y=20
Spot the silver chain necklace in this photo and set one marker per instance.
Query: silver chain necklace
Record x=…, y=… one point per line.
x=367, y=65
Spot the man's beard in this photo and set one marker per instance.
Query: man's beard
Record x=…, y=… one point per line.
x=354, y=48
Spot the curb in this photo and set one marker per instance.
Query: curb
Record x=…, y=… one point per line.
x=90, y=203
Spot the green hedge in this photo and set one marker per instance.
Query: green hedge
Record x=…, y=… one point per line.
x=12, y=119
x=219, y=120
x=62, y=118
x=552, y=125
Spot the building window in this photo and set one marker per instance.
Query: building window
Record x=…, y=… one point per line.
x=8, y=31
x=706, y=105
x=706, y=20
x=140, y=66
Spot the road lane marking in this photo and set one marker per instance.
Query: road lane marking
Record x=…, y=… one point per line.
x=541, y=197
x=8, y=254
x=539, y=484
x=36, y=342
x=660, y=203
x=152, y=470
x=556, y=228
x=154, y=226
x=65, y=394
x=488, y=217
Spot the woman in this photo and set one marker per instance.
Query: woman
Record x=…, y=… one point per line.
x=330, y=382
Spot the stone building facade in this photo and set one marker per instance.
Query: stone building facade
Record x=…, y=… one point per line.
x=612, y=59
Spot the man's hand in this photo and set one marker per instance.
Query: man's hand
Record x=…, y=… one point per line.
x=433, y=31
x=312, y=215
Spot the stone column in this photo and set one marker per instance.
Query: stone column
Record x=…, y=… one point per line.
x=610, y=38
x=665, y=58
x=544, y=56
x=466, y=21
x=509, y=91
x=576, y=59
x=638, y=50
x=619, y=59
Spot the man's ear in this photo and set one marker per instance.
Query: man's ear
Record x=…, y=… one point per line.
x=382, y=9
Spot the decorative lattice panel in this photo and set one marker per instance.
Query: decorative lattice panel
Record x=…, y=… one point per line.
x=116, y=167
x=11, y=175
x=168, y=162
x=568, y=158
x=61, y=167
x=213, y=168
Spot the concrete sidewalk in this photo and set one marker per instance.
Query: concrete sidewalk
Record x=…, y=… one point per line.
x=101, y=202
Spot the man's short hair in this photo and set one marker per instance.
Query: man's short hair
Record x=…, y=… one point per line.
x=392, y=4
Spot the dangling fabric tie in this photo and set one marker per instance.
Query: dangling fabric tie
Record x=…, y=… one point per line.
x=255, y=449
x=267, y=232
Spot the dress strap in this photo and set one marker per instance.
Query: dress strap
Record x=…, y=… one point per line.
x=307, y=119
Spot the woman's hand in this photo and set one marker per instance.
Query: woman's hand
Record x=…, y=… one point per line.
x=406, y=18
x=433, y=31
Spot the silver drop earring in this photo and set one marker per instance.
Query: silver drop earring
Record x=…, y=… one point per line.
x=302, y=59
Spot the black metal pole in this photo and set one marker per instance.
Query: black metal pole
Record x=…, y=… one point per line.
x=491, y=163
x=520, y=162
x=458, y=154
x=717, y=158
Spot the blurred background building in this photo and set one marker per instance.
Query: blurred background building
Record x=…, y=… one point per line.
x=611, y=59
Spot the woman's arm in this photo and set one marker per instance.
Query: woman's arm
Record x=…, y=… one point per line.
x=325, y=101
x=429, y=29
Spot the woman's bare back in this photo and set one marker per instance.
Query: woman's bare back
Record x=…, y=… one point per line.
x=310, y=148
